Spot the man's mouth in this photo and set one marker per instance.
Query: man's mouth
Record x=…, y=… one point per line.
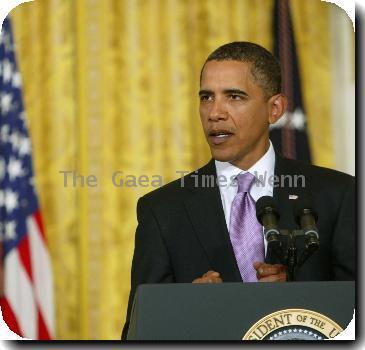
x=217, y=137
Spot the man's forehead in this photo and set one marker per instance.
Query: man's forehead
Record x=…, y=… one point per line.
x=226, y=65
x=226, y=72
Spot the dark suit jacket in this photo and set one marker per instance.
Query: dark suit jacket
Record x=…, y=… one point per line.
x=182, y=232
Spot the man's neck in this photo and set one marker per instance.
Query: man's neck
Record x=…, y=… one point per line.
x=252, y=157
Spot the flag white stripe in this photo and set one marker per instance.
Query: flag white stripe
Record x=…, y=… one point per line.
x=19, y=293
x=42, y=273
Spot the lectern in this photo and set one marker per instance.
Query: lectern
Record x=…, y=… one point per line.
x=236, y=311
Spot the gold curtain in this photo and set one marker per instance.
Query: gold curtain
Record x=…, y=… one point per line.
x=112, y=86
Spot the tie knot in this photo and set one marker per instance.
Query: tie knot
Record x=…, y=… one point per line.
x=245, y=182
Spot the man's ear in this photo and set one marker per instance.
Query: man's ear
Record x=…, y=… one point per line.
x=277, y=105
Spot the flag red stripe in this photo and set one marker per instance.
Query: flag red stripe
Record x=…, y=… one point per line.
x=38, y=219
x=24, y=253
x=9, y=317
x=43, y=333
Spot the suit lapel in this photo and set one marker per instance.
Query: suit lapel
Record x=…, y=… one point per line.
x=206, y=213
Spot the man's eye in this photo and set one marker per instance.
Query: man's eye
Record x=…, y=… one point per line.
x=235, y=97
x=205, y=98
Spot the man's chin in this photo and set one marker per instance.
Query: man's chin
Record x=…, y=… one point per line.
x=221, y=157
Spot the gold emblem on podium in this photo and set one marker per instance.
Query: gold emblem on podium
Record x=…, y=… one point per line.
x=293, y=324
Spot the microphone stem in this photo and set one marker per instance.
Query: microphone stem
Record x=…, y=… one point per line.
x=292, y=259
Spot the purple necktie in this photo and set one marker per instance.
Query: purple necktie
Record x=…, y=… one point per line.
x=244, y=229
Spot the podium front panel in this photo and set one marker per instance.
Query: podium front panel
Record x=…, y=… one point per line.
x=227, y=311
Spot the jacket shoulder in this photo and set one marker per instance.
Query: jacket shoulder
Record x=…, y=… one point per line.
x=317, y=175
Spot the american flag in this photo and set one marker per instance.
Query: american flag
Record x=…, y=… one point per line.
x=27, y=303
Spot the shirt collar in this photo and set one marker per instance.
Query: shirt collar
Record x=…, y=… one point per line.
x=264, y=166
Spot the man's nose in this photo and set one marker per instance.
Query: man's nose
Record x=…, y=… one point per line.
x=218, y=111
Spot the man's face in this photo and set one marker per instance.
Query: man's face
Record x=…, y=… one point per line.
x=234, y=113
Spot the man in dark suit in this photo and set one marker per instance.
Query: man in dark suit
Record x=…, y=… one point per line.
x=202, y=227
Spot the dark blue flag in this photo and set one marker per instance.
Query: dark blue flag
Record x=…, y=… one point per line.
x=289, y=134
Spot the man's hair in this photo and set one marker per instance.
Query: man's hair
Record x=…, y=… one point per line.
x=265, y=68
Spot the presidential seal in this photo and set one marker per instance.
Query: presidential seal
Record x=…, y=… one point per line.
x=293, y=324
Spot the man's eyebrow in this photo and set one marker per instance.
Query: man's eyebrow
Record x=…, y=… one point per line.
x=226, y=91
x=235, y=91
x=205, y=92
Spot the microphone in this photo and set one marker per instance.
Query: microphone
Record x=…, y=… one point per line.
x=268, y=217
x=306, y=217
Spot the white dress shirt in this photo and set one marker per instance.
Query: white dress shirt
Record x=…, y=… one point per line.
x=263, y=170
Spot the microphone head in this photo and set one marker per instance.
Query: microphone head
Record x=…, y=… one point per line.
x=265, y=204
x=304, y=205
